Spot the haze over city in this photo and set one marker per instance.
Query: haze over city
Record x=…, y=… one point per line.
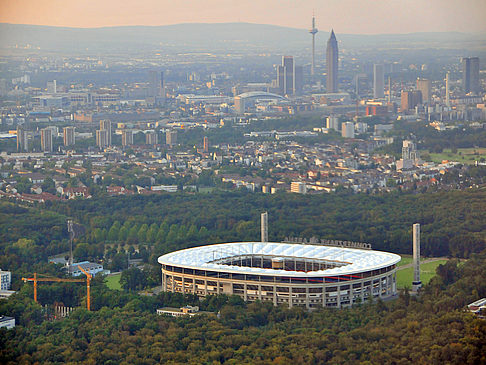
x=242, y=182
x=345, y=16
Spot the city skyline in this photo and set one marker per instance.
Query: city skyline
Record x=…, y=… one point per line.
x=388, y=16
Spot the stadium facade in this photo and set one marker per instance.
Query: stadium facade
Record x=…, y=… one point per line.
x=291, y=274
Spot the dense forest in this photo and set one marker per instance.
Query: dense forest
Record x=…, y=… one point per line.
x=430, y=329
x=453, y=223
x=123, y=328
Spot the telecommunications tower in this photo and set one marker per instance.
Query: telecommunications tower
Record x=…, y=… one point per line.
x=313, y=31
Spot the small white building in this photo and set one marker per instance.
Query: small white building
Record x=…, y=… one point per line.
x=89, y=267
x=7, y=322
x=5, y=280
x=187, y=310
x=478, y=307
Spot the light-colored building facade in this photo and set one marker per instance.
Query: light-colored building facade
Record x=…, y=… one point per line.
x=5, y=280
x=102, y=138
x=332, y=122
x=105, y=125
x=347, y=130
x=171, y=138
x=22, y=140
x=151, y=138
x=127, y=138
x=7, y=322
x=298, y=187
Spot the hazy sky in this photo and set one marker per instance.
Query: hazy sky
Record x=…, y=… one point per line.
x=345, y=16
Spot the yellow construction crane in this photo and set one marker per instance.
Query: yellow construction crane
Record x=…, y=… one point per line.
x=36, y=279
x=88, y=284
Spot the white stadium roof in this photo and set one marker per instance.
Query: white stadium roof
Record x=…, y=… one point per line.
x=356, y=260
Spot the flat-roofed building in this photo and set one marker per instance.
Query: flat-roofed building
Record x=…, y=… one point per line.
x=69, y=137
x=46, y=139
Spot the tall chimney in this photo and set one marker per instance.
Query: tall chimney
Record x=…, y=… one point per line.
x=264, y=227
x=416, y=284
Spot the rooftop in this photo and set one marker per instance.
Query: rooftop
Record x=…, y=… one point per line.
x=229, y=257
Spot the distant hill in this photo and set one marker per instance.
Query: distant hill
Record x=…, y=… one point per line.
x=211, y=37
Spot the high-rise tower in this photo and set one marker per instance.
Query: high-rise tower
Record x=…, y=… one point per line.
x=289, y=76
x=156, y=85
x=378, y=81
x=470, y=74
x=313, y=31
x=447, y=100
x=425, y=86
x=46, y=140
x=105, y=125
x=69, y=136
x=332, y=64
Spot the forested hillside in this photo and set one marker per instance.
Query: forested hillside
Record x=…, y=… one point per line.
x=453, y=223
x=431, y=329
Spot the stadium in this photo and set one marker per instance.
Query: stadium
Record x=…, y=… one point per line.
x=290, y=274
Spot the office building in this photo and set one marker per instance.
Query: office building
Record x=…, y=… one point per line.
x=347, y=130
x=289, y=77
x=289, y=71
x=298, y=79
x=156, y=85
x=447, y=96
x=127, y=138
x=332, y=122
x=22, y=140
x=281, y=79
x=424, y=86
x=378, y=81
x=69, y=136
x=151, y=138
x=410, y=99
x=361, y=83
x=46, y=139
x=102, y=138
x=105, y=125
x=470, y=74
x=171, y=138
x=332, y=63
x=52, y=87
x=5, y=280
